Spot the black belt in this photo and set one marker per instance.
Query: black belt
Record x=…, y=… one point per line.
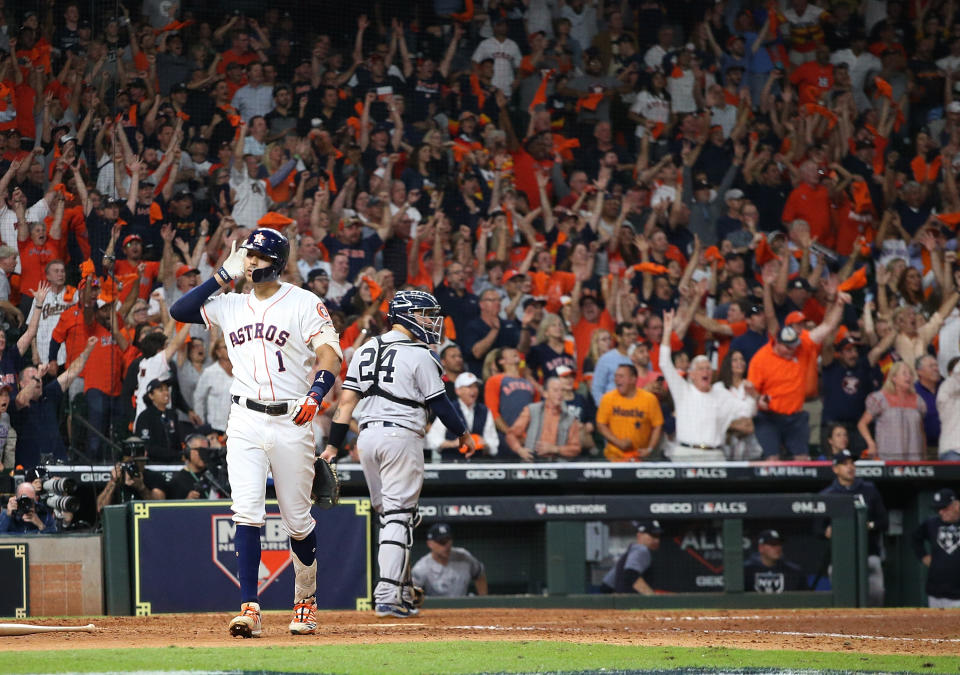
x=700, y=446
x=274, y=409
x=377, y=423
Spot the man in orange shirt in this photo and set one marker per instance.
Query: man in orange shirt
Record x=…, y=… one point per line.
x=592, y=319
x=778, y=371
x=37, y=248
x=103, y=376
x=133, y=250
x=809, y=201
x=814, y=78
x=629, y=418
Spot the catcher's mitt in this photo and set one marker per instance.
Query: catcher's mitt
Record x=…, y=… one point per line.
x=418, y=596
x=326, y=484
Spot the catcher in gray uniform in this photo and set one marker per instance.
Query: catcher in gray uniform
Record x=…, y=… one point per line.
x=399, y=376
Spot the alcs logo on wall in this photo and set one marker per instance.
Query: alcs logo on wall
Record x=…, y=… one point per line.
x=274, y=549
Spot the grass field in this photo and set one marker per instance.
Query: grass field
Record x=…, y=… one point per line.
x=456, y=657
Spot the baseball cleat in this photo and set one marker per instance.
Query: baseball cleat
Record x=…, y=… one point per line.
x=412, y=609
x=398, y=611
x=247, y=624
x=304, y=618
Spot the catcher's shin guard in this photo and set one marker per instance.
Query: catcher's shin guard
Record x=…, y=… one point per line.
x=396, y=532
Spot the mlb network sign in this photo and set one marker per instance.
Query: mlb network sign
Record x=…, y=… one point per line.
x=274, y=549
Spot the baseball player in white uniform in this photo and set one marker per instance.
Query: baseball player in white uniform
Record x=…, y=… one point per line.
x=399, y=376
x=274, y=336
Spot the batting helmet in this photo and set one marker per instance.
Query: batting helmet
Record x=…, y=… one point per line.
x=418, y=312
x=270, y=244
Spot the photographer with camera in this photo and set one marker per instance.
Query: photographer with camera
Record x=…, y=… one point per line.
x=129, y=479
x=192, y=481
x=22, y=515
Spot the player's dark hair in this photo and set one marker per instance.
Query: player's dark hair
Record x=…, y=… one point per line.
x=152, y=343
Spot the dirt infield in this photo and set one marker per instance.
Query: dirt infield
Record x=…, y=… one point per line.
x=878, y=631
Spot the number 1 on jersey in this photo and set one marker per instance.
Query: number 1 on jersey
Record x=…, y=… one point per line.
x=280, y=361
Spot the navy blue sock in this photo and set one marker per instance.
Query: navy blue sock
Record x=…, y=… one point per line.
x=247, y=542
x=306, y=548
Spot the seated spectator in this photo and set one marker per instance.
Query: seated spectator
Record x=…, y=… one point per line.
x=704, y=413
x=479, y=422
x=766, y=571
x=630, y=573
x=629, y=419
x=447, y=572
x=897, y=411
x=546, y=430
x=23, y=514
x=157, y=425
x=189, y=482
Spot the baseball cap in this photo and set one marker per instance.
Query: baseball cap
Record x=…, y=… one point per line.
x=794, y=317
x=7, y=252
x=131, y=237
x=769, y=537
x=701, y=185
x=465, y=380
x=178, y=87
x=564, y=371
x=754, y=310
x=798, y=284
x=844, y=456
x=943, y=498
x=137, y=82
x=154, y=384
x=186, y=269
x=651, y=527
x=788, y=336
x=317, y=273
x=735, y=193
x=511, y=274
x=534, y=299
x=848, y=341
x=439, y=532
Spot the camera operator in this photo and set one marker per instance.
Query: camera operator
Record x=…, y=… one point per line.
x=22, y=515
x=191, y=482
x=129, y=479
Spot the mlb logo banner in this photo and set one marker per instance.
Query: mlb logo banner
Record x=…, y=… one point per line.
x=185, y=557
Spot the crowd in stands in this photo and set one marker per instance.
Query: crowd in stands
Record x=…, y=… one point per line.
x=691, y=231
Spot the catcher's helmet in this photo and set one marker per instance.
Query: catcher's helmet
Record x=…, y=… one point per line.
x=418, y=312
x=270, y=244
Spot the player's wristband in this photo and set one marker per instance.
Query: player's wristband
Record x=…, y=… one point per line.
x=224, y=275
x=338, y=434
x=322, y=384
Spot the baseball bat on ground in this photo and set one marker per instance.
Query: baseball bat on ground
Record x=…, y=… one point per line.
x=27, y=629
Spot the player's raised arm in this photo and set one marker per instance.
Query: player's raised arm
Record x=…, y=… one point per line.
x=187, y=308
